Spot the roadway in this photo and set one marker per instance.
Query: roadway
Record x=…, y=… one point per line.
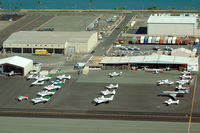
x=26, y=23
x=102, y=48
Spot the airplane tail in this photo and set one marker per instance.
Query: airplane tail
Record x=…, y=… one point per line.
x=117, y=85
x=111, y=98
x=114, y=92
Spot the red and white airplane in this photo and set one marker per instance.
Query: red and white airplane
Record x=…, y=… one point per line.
x=20, y=98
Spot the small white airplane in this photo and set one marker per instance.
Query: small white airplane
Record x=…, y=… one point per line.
x=184, y=76
x=40, y=100
x=111, y=86
x=181, y=87
x=20, y=98
x=186, y=72
x=56, y=82
x=155, y=72
x=173, y=94
x=182, y=82
x=102, y=99
x=108, y=92
x=46, y=93
x=170, y=101
x=52, y=87
x=114, y=74
x=61, y=77
x=37, y=82
x=32, y=76
x=164, y=82
x=43, y=78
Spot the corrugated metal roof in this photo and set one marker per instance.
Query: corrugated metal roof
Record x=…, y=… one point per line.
x=172, y=19
x=49, y=37
x=16, y=60
x=154, y=59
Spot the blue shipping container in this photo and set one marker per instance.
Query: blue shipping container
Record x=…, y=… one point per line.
x=146, y=39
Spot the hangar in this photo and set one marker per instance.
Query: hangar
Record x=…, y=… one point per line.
x=152, y=61
x=16, y=64
x=54, y=42
x=172, y=25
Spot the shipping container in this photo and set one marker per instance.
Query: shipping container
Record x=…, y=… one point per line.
x=146, y=39
x=162, y=40
x=153, y=40
x=166, y=40
x=149, y=40
x=157, y=40
x=142, y=39
x=134, y=39
x=170, y=40
x=178, y=40
x=186, y=40
x=174, y=40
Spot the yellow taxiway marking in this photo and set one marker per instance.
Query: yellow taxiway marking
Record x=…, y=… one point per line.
x=29, y=23
x=192, y=107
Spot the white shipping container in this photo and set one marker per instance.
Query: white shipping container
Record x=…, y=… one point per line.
x=170, y=40
x=157, y=40
x=142, y=39
x=174, y=40
x=150, y=39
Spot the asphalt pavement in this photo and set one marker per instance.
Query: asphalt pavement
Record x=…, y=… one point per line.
x=26, y=23
x=52, y=125
x=102, y=48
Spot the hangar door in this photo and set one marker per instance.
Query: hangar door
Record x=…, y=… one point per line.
x=71, y=51
x=8, y=68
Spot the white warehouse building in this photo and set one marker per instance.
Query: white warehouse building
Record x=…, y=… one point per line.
x=172, y=25
x=53, y=42
x=17, y=64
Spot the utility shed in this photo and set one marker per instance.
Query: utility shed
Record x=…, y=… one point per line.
x=17, y=65
x=53, y=42
x=172, y=25
x=182, y=52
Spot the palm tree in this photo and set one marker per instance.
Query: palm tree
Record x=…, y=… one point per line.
x=39, y=3
x=91, y=1
x=1, y=4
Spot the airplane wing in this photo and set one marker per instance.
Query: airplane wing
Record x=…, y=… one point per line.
x=173, y=96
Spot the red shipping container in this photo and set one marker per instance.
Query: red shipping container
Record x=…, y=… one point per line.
x=178, y=40
x=186, y=40
x=162, y=40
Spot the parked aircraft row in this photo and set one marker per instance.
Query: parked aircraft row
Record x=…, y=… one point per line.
x=108, y=91
x=180, y=90
x=48, y=91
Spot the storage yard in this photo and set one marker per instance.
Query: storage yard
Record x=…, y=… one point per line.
x=143, y=59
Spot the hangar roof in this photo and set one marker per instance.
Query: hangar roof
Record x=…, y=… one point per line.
x=49, y=37
x=172, y=19
x=16, y=60
x=153, y=59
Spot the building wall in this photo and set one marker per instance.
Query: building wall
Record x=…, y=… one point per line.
x=28, y=68
x=171, y=29
x=36, y=45
x=92, y=42
x=85, y=47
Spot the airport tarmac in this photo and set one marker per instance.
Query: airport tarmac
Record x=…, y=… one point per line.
x=77, y=97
